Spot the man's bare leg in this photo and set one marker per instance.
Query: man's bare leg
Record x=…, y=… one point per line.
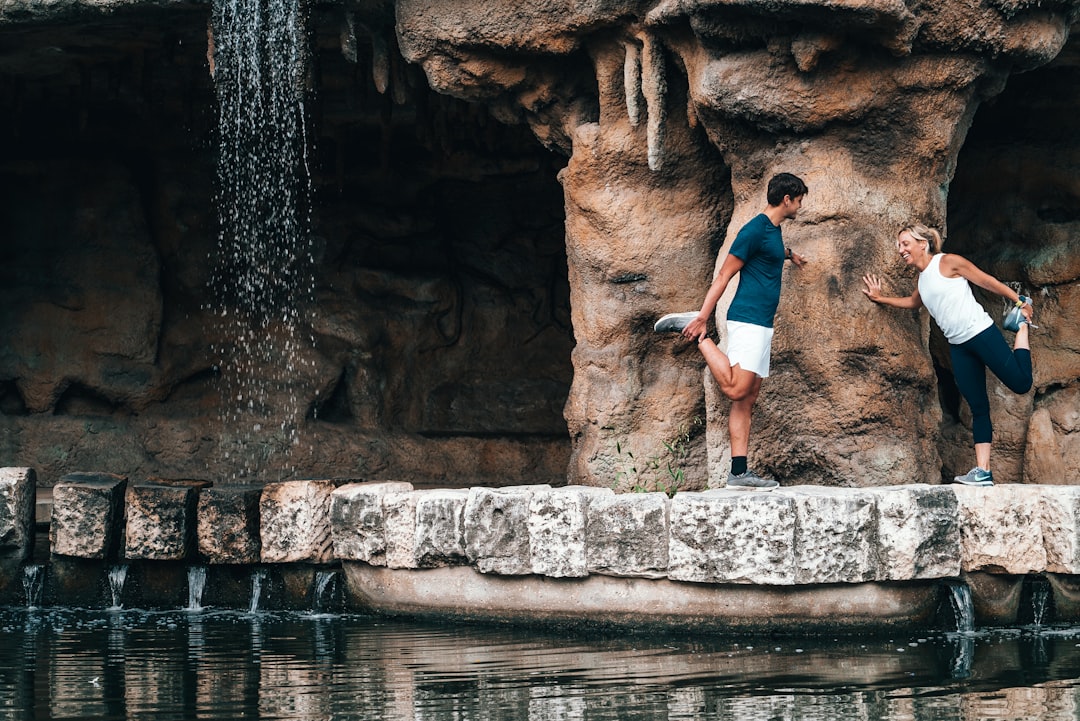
x=735, y=382
x=739, y=419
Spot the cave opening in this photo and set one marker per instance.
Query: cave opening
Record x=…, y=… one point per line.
x=440, y=318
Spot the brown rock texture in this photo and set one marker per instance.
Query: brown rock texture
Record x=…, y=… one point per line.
x=472, y=322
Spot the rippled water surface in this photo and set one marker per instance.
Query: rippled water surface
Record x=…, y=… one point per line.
x=82, y=664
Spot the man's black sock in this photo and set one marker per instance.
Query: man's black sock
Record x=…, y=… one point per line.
x=738, y=465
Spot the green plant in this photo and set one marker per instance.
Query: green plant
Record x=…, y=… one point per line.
x=661, y=470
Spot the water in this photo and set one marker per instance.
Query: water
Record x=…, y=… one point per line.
x=257, y=578
x=323, y=588
x=962, y=607
x=117, y=576
x=196, y=577
x=263, y=272
x=75, y=663
x=33, y=580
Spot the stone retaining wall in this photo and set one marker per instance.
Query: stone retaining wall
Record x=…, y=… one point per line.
x=794, y=536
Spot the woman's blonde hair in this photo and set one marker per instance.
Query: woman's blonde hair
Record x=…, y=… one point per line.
x=925, y=234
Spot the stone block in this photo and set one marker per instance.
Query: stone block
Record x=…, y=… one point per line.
x=160, y=523
x=88, y=510
x=626, y=534
x=1059, y=509
x=358, y=523
x=1001, y=529
x=918, y=532
x=729, y=536
x=399, y=519
x=440, y=528
x=496, y=527
x=227, y=524
x=17, y=493
x=295, y=522
x=557, y=519
x=835, y=534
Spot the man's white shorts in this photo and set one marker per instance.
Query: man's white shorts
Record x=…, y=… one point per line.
x=749, y=346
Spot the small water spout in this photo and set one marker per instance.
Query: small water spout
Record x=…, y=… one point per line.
x=257, y=578
x=117, y=576
x=33, y=581
x=196, y=580
x=962, y=606
x=1040, y=602
x=964, y=641
x=325, y=585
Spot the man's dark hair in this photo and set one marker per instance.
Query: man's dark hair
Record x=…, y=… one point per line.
x=783, y=184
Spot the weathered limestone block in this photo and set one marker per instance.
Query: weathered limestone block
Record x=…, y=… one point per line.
x=399, y=521
x=17, y=490
x=440, y=528
x=1001, y=529
x=357, y=520
x=87, y=511
x=496, y=527
x=295, y=522
x=160, y=523
x=918, y=532
x=227, y=524
x=1060, y=519
x=835, y=535
x=728, y=536
x=626, y=535
x=557, y=519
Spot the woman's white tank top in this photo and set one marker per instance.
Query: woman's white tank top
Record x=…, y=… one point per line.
x=951, y=304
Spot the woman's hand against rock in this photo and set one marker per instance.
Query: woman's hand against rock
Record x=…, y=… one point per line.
x=873, y=287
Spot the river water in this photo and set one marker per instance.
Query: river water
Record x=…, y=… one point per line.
x=130, y=664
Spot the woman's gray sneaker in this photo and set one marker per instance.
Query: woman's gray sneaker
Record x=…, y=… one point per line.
x=976, y=477
x=750, y=481
x=1014, y=317
x=674, y=322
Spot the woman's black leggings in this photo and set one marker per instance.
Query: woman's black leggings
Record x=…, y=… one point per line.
x=969, y=363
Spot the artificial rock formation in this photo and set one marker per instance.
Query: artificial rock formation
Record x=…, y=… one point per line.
x=455, y=340
x=697, y=103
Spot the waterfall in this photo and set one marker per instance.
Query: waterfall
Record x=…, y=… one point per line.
x=257, y=577
x=263, y=274
x=33, y=581
x=117, y=576
x=196, y=580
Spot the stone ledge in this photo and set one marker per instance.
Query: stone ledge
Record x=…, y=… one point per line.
x=793, y=536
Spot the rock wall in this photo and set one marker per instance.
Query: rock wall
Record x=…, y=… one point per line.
x=455, y=279
x=871, y=103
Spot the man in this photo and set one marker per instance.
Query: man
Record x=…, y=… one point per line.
x=758, y=256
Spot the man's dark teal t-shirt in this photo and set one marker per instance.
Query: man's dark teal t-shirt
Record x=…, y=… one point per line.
x=760, y=247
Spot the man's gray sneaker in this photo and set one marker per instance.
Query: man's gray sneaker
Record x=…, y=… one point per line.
x=750, y=481
x=674, y=322
x=976, y=477
x=1014, y=316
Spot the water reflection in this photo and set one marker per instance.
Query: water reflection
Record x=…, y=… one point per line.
x=228, y=665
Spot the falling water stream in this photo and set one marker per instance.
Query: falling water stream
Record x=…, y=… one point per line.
x=196, y=577
x=263, y=273
x=33, y=581
x=117, y=576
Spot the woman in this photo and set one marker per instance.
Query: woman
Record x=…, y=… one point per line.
x=975, y=343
